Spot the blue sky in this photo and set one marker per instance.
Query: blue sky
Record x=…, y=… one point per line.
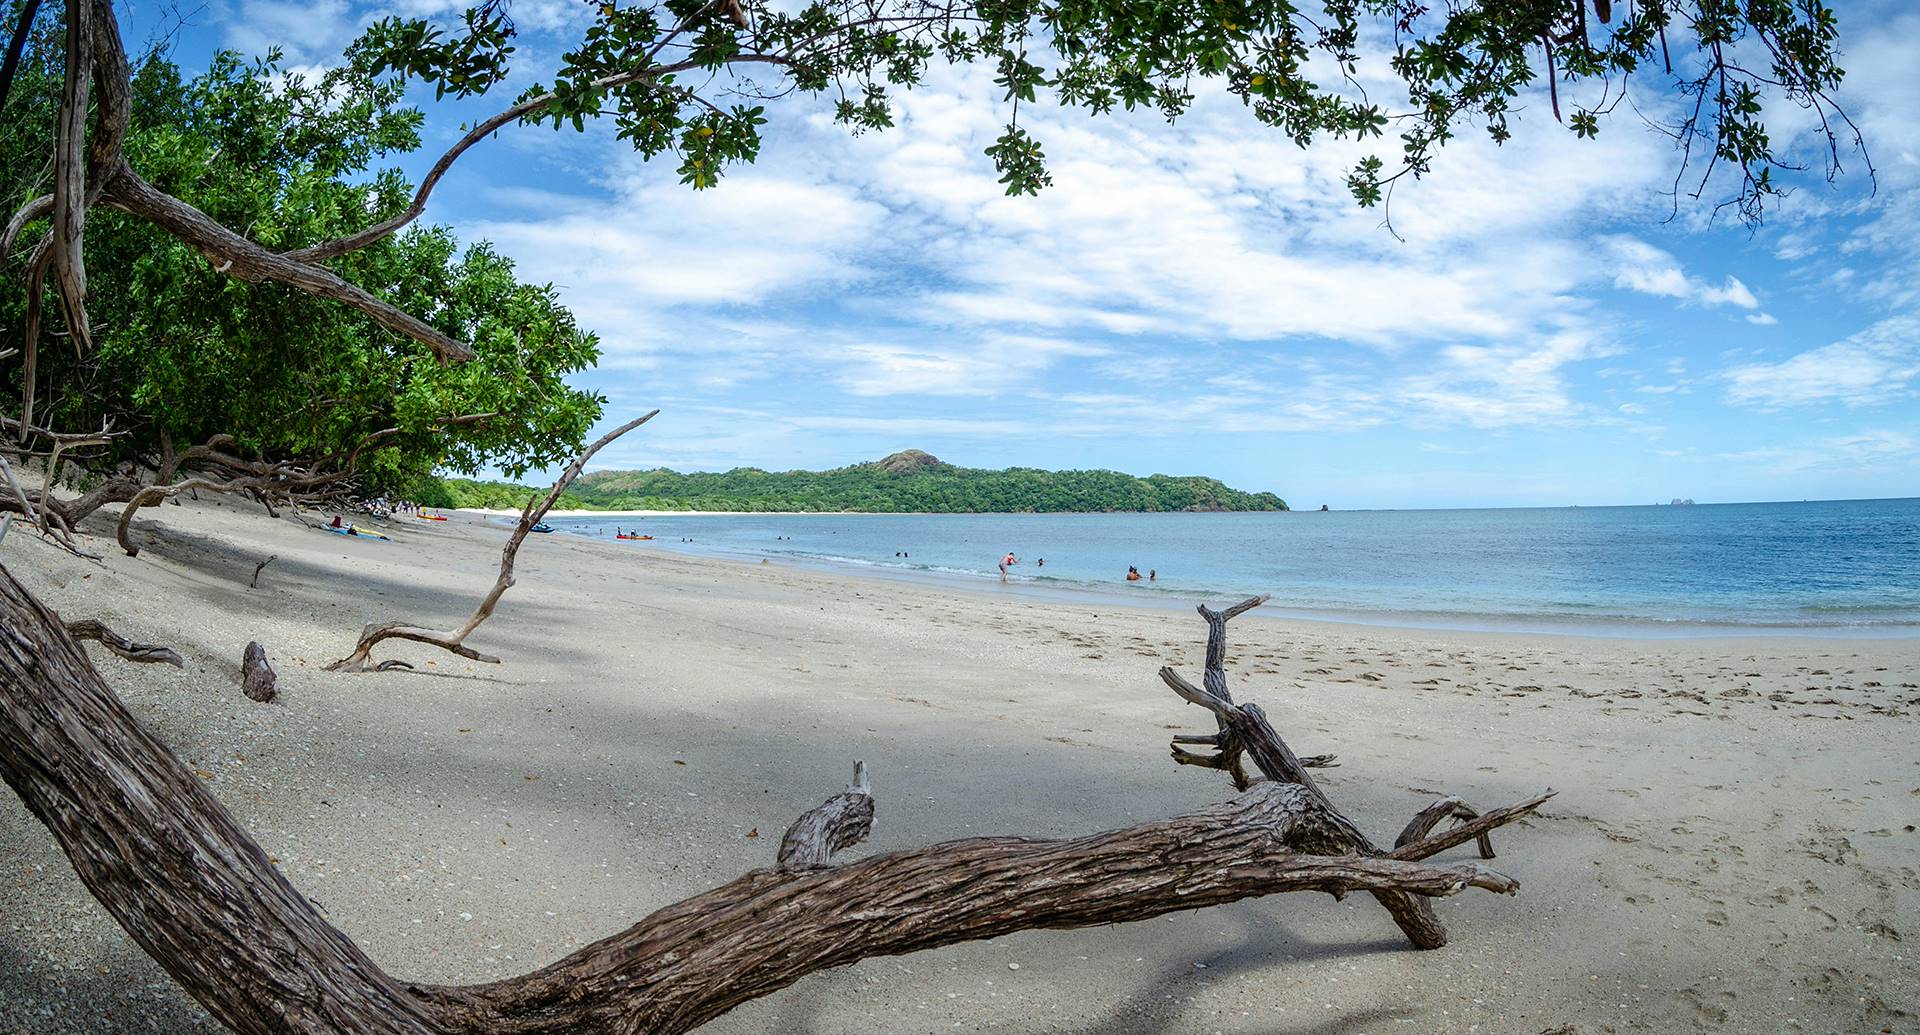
x=1205, y=298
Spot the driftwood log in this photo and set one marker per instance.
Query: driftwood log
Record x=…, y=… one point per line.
x=455, y=641
x=1244, y=732
x=171, y=865
x=257, y=679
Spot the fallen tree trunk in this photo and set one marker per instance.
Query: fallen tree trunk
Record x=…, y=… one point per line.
x=454, y=641
x=188, y=884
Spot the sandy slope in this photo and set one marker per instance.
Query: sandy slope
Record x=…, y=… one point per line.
x=1733, y=847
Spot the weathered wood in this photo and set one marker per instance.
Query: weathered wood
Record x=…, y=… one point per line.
x=254, y=582
x=840, y=822
x=1245, y=729
x=187, y=883
x=145, y=653
x=453, y=641
x=1449, y=807
x=164, y=857
x=1471, y=830
x=68, y=264
x=257, y=679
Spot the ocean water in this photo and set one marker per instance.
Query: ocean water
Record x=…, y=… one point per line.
x=1834, y=568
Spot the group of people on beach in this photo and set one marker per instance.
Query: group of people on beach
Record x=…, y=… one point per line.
x=1133, y=574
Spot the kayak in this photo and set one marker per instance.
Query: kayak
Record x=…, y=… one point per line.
x=358, y=533
x=633, y=537
x=431, y=517
x=541, y=527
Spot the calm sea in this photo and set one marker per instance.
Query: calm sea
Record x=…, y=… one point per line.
x=1837, y=568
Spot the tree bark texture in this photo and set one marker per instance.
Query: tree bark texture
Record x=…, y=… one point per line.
x=257, y=679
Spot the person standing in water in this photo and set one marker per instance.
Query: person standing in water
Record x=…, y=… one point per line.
x=1007, y=562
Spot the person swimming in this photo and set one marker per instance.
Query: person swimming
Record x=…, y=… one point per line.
x=1152, y=576
x=1007, y=562
x=1133, y=573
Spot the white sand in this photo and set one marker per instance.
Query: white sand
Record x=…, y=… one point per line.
x=1732, y=848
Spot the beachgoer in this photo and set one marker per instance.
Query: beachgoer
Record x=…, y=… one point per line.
x=1006, y=562
x=1152, y=575
x=336, y=522
x=1133, y=573
x=1042, y=562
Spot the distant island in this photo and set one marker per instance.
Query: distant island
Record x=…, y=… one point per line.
x=908, y=482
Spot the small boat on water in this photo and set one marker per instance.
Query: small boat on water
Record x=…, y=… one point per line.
x=623, y=535
x=541, y=527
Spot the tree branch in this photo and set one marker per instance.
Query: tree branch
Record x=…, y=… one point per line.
x=147, y=653
x=840, y=822
x=235, y=255
x=453, y=641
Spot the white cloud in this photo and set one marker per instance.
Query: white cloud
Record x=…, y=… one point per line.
x=1496, y=385
x=990, y=367
x=1877, y=365
x=1642, y=267
x=1761, y=319
x=1865, y=450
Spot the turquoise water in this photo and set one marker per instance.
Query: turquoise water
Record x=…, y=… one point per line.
x=1839, y=568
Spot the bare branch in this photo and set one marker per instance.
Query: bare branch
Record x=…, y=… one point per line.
x=146, y=653
x=453, y=641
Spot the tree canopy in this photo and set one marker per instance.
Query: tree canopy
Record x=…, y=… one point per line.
x=691, y=79
x=906, y=482
x=181, y=353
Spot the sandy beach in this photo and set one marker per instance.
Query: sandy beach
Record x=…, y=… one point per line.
x=1733, y=847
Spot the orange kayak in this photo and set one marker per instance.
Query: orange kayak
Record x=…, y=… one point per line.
x=633, y=537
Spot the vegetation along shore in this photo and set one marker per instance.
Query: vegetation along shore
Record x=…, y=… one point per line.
x=907, y=482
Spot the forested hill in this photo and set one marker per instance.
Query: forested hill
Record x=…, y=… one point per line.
x=906, y=482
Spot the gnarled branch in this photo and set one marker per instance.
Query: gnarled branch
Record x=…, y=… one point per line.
x=146, y=653
x=1244, y=728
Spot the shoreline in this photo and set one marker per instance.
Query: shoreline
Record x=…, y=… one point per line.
x=1162, y=599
